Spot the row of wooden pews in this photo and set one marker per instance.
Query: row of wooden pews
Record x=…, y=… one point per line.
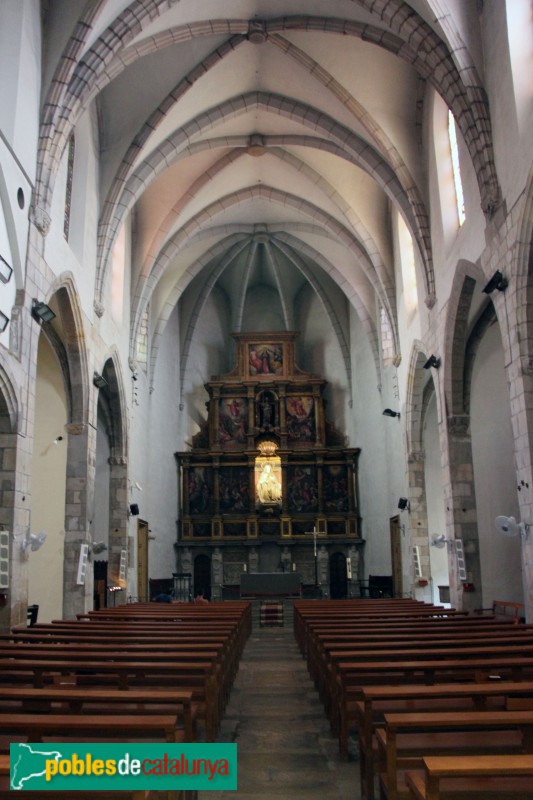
x=143, y=672
x=423, y=683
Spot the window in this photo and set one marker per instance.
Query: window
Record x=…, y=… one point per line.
x=459, y=197
x=68, y=191
x=407, y=260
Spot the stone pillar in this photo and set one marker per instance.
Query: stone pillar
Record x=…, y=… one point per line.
x=418, y=518
x=118, y=518
x=461, y=514
x=78, y=511
x=15, y=519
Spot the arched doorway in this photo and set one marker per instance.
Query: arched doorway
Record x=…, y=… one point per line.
x=338, y=576
x=202, y=576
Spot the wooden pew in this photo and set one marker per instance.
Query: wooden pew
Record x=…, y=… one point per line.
x=103, y=701
x=473, y=778
x=505, y=609
x=407, y=737
x=369, y=713
x=89, y=727
x=195, y=676
x=323, y=670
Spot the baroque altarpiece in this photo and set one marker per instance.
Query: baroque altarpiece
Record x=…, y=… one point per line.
x=268, y=484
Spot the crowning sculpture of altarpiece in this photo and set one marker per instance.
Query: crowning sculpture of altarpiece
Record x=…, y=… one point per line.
x=269, y=485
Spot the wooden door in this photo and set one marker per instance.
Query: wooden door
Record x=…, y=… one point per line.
x=142, y=560
x=202, y=576
x=396, y=555
x=338, y=577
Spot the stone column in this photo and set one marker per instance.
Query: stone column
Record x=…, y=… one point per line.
x=118, y=518
x=78, y=510
x=461, y=514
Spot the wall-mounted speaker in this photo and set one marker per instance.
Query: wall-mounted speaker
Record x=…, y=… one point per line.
x=82, y=564
x=134, y=510
x=4, y=559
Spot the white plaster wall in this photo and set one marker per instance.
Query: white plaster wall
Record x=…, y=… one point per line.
x=160, y=487
x=381, y=470
x=48, y=487
x=494, y=472
x=320, y=353
x=20, y=75
x=511, y=104
x=78, y=254
x=209, y=355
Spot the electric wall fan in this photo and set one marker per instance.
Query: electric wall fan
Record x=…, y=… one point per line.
x=508, y=526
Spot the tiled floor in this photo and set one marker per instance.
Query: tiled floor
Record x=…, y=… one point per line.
x=285, y=747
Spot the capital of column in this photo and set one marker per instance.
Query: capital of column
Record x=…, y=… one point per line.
x=459, y=426
x=41, y=219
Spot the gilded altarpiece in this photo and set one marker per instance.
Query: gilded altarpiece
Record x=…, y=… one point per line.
x=267, y=470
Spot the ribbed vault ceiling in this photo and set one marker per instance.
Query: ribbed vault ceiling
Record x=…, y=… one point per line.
x=261, y=143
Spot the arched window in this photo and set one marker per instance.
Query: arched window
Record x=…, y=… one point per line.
x=459, y=197
x=407, y=261
x=68, y=190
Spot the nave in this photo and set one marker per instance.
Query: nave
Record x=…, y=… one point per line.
x=285, y=746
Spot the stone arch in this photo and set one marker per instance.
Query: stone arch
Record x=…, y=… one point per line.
x=68, y=340
x=70, y=347
x=456, y=437
x=465, y=279
x=113, y=408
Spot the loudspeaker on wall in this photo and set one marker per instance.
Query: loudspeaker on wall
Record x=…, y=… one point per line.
x=134, y=510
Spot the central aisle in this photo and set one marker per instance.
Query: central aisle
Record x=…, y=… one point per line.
x=285, y=747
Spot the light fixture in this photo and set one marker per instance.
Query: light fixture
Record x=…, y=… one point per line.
x=99, y=381
x=388, y=412
x=496, y=282
x=432, y=361
x=6, y=270
x=403, y=503
x=34, y=541
x=41, y=312
x=4, y=322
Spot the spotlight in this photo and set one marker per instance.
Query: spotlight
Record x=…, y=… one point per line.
x=4, y=322
x=403, y=503
x=6, y=271
x=432, y=361
x=99, y=381
x=388, y=412
x=41, y=312
x=496, y=282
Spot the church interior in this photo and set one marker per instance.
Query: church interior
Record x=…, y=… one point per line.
x=265, y=300
x=266, y=392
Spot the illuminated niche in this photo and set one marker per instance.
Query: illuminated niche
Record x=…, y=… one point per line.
x=268, y=488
